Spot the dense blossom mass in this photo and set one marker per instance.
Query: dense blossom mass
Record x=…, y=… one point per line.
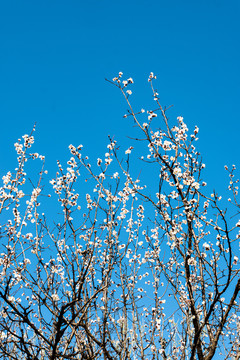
x=99, y=264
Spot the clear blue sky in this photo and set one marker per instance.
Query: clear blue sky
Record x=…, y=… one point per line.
x=56, y=54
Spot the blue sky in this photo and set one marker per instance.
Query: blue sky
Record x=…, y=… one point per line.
x=55, y=56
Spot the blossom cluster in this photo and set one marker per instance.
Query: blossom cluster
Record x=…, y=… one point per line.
x=122, y=264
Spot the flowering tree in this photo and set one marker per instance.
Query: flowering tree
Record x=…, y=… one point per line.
x=126, y=271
